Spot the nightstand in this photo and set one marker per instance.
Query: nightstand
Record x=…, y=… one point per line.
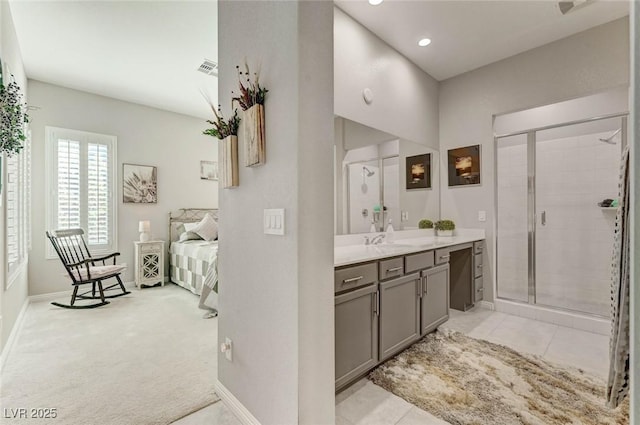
x=149, y=258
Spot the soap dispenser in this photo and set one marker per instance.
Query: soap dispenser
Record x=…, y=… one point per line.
x=389, y=232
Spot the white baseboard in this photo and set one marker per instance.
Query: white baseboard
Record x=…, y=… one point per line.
x=235, y=406
x=487, y=305
x=13, y=336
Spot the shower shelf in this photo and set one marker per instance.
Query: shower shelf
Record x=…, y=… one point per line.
x=608, y=208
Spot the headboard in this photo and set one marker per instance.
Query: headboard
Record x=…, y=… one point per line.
x=187, y=215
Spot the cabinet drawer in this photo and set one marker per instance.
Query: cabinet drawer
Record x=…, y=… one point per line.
x=417, y=262
x=479, y=289
x=442, y=256
x=151, y=248
x=355, y=276
x=477, y=265
x=478, y=247
x=393, y=267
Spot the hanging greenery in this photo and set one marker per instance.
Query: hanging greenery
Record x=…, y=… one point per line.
x=14, y=116
x=221, y=127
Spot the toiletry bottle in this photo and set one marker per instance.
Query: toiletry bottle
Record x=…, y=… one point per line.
x=372, y=229
x=389, y=232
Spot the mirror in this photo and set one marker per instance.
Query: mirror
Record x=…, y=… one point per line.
x=381, y=177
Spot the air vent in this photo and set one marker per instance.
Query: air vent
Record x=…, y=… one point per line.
x=209, y=67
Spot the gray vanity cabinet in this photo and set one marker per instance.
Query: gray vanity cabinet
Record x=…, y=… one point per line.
x=399, y=314
x=434, y=298
x=356, y=326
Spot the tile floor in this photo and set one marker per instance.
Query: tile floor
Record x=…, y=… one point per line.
x=366, y=403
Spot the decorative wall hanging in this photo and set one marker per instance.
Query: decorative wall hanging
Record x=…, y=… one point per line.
x=226, y=131
x=13, y=115
x=139, y=184
x=208, y=170
x=251, y=100
x=419, y=171
x=464, y=166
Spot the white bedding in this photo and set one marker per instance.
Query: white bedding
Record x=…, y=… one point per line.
x=193, y=264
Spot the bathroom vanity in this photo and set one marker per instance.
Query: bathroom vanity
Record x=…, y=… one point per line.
x=388, y=296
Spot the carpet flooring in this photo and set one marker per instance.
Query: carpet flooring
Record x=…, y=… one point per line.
x=147, y=358
x=467, y=381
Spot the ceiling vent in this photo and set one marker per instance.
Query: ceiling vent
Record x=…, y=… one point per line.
x=209, y=67
x=570, y=6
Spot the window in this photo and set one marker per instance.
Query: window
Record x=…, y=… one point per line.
x=18, y=222
x=81, y=185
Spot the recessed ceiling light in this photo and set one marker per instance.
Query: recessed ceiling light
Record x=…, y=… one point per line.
x=375, y=2
x=424, y=42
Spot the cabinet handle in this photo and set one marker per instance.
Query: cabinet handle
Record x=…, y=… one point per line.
x=479, y=266
x=353, y=279
x=376, y=304
x=394, y=269
x=424, y=285
x=445, y=257
x=480, y=290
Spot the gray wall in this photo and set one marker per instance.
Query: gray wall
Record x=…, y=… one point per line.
x=172, y=142
x=635, y=214
x=405, y=100
x=588, y=62
x=14, y=297
x=276, y=292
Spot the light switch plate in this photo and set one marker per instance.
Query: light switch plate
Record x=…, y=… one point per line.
x=274, y=221
x=482, y=216
x=405, y=216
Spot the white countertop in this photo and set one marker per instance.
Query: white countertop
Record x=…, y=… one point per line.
x=351, y=254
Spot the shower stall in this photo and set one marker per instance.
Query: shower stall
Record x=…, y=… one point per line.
x=556, y=197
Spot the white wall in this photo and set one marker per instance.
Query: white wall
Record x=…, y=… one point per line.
x=635, y=214
x=276, y=292
x=405, y=100
x=172, y=142
x=13, y=298
x=576, y=66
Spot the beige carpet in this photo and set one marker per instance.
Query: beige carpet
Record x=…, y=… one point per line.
x=468, y=381
x=146, y=358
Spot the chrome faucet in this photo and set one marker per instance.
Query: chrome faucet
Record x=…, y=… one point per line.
x=376, y=240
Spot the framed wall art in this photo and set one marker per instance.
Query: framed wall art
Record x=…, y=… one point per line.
x=464, y=166
x=419, y=171
x=139, y=184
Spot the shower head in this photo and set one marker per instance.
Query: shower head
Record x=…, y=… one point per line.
x=610, y=138
x=368, y=171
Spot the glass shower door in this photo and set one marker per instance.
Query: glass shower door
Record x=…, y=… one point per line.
x=576, y=167
x=512, y=218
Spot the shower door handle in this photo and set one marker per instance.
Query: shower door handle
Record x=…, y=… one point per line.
x=543, y=218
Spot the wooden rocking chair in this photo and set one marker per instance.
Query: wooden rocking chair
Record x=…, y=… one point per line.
x=82, y=268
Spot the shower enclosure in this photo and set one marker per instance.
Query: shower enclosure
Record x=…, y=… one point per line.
x=373, y=197
x=554, y=239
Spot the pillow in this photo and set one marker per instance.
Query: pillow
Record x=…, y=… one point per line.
x=185, y=230
x=189, y=236
x=207, y=228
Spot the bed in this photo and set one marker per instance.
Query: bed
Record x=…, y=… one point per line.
x=193, y=263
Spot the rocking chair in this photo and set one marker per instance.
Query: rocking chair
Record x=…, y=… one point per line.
x=82, y=268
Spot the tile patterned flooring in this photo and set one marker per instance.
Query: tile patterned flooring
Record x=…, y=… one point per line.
x=366, y=403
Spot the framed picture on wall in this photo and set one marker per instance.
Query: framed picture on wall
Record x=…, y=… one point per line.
x=208, y=170
x=419, y=171
x=464, y=166
x=139, y=184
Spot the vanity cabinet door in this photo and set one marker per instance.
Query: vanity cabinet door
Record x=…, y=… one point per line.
x=399, y=314
x=356, y=325
x=435, y=298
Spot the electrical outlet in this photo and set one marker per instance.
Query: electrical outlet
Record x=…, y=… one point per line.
x=405, y=216
x=482, y=216
x=227, y=348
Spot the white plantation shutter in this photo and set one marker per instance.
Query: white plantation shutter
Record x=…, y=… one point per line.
x=68, y=185
x=18, y=204
x=14, y=228
x=82, y=186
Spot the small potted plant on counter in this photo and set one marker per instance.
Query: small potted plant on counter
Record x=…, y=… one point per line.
x=425, y=224
x=445, y=227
